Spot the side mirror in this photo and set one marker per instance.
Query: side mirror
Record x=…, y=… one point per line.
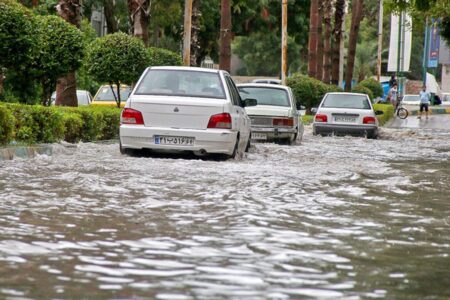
x=250, y=102
x=314, y=110
x=379, y=112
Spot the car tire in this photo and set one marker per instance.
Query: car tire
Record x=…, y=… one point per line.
x=249, y=144
x=124, y=151
x=236, y=148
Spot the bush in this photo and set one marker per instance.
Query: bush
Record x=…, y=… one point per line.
x=163, y=57
x=388, y=112
x=374, y=86
x=309, y=91
x=362, y=90
x=73, y=124
x=117, y=58
x=7, y=122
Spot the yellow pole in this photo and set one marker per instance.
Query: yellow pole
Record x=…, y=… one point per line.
x=187, y=32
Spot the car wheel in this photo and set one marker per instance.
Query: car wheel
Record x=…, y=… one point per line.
x=372, y=135
x=236, y=148
x=123, y=150
x=249, y=144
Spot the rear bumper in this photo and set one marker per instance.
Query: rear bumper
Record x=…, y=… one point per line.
x=345, y=129
x=220, y=141
x=273, y=133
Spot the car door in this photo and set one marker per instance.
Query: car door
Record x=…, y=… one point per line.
x=242, y=121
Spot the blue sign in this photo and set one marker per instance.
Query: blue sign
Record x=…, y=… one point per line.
x=434, y=42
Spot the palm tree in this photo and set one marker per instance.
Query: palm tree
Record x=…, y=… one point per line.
x=319, y=70
x=365, y=60
x=66, y=87
x=339, y=14
x=312, y=44
x=225, y=35
x=357, y=15
x=195, y=42
x=139, y=12
x=327, y=45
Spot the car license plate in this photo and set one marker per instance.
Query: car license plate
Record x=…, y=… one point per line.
x=259, y=136
x=345, y=119
x=174, y=140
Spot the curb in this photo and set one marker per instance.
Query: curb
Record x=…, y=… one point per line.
x=433, y=111
x=9, y=153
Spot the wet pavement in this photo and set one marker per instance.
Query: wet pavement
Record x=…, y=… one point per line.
x=441, y=122
x=332, y=217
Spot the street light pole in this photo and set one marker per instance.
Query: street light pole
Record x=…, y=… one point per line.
x=380, y=40
x=187, y=32
x=284, y=41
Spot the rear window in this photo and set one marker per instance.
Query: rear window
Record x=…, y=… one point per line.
x=266, y=96
x=106, y=94
x=181, y=83
x=411, y=98
x=346, y=101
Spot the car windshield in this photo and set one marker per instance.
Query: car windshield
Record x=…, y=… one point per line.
x=83, y=98
x=411, y=98
x=266, y=96
x=105, y=93
x=346, y=101
x=181, y=83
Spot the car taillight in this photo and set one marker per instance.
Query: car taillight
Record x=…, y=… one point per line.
x=321, y=118
x=283, y=122
x=220, y=121
x=369, y=120
x=131, y=116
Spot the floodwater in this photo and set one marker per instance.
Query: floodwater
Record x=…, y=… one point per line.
x=332, y=217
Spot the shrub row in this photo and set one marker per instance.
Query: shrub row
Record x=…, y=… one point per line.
x=309, y=91
x=31, y=124
x=388, y=112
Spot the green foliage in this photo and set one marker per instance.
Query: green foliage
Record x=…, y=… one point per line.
x=363, y=90
x=7, y=122
x=374, y=86
x=37, y=124
x=17, y=41
x=309, y=91
x=61, y=51
x=163, y=57
x=388, y=112
x=32, y=124
x=117, y=58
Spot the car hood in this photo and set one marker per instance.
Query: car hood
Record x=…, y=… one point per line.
x=269, y=110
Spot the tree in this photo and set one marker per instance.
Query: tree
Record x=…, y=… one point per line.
x=319, y=53
x=225, y=35
x=61, y=51
x=66, y=88
x=139, y=12
x=313, y=38
x=357, y=7
x=117, y=58
x=339, y=14
x=327, y=44
x=195, y=30
x=163, y=57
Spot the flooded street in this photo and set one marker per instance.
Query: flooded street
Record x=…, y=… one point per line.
x=332, y=217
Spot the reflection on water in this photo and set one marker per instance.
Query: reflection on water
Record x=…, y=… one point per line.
x=334, y=217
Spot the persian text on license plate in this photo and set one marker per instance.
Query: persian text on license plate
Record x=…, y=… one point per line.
x=174, y=140
x=344, y=119
x=259, y=136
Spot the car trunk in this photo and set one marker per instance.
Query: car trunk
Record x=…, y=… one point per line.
x=177, y=112
x=263, y=115
x=342, y=116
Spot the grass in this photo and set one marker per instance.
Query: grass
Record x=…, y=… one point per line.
x=388, y=112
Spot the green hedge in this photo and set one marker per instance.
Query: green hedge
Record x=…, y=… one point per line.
x=309, y=91
x=374, y=86
x=363, y=90
x=32, y=124
x=388, y=112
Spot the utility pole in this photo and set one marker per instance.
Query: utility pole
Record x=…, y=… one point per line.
x=401, y=52
x=225, y=36
x=380, y=40
x=187, y=32
x=284, y=41
x=425, y=54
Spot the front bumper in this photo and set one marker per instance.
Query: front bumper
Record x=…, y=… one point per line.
x=359, y=130
x=220, y=141
x=273, y=133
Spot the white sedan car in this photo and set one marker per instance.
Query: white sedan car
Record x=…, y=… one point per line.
x=275, y=117
x=411, y=100
x=346, y=113
x=185, y=109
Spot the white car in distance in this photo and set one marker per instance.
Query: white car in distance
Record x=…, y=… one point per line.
x=346, y=114
x=275, y=117
x=185, y=109
x=411, y=100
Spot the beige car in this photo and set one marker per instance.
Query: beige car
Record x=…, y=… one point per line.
x=105, y=96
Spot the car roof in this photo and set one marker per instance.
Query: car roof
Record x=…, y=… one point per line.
x=345, y=93
x=182, y=68
x=266, y=85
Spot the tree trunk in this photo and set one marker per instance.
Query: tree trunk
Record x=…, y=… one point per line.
x=357, y=6
x=111, y=22
x=337, y=36
x=327, y=46
x=225, y=36
x=312, y=44
x=66, y=88
x=195, y=29
x=319, y=70
x=139, y=12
